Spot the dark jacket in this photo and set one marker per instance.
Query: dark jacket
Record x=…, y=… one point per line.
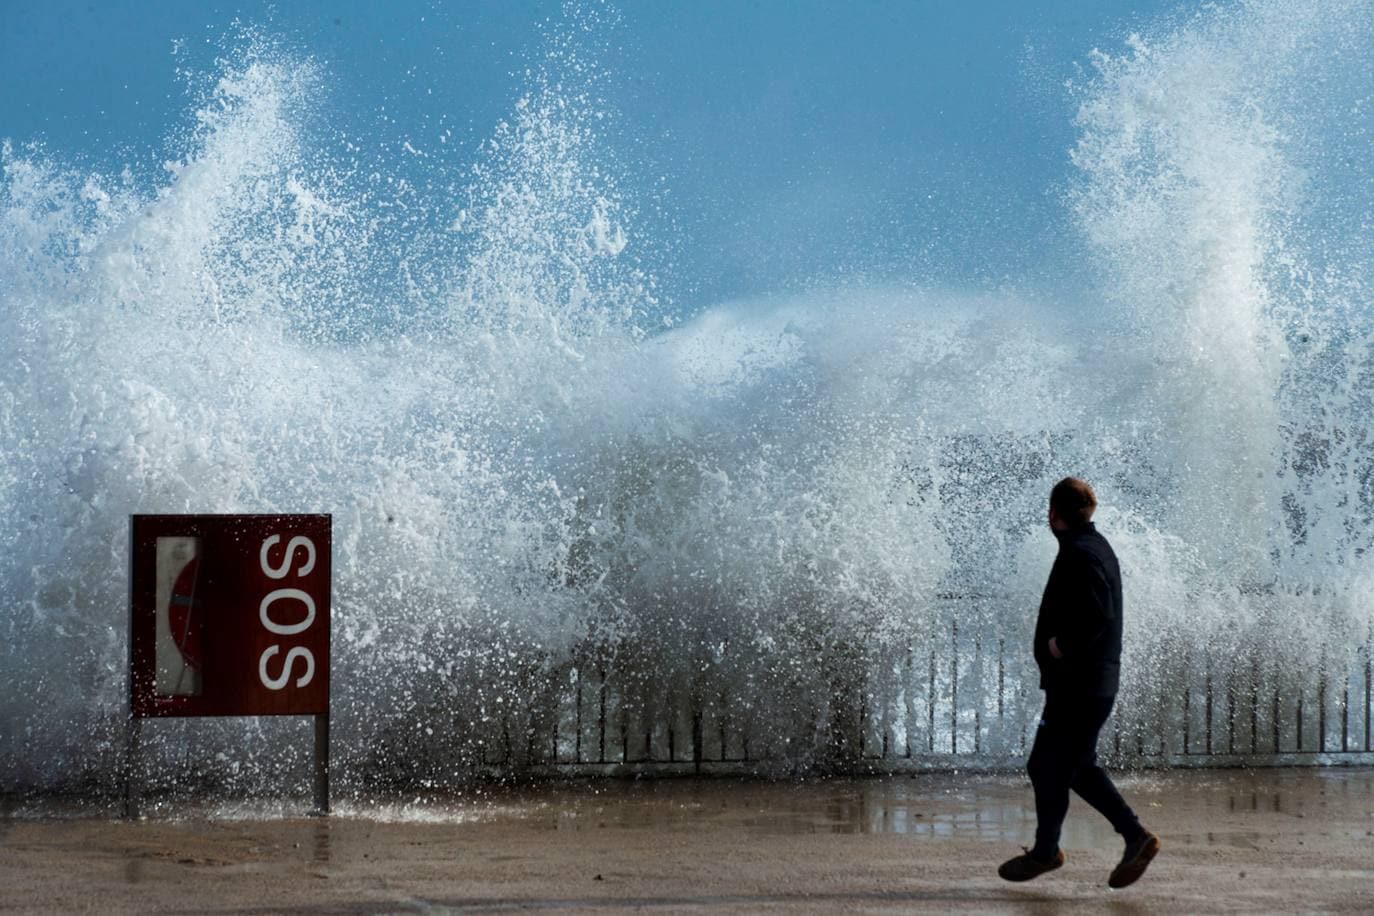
x=1081, y=609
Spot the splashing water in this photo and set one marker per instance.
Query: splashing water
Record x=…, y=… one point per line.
x=760, y=505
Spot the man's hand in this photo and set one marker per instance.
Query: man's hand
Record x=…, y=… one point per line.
x=1054, y=648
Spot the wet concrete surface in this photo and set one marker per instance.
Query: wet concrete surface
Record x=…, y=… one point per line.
x=1243, y=841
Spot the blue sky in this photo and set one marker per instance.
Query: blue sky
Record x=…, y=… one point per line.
x=765, y=144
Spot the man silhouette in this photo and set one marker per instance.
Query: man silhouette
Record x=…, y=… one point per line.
x=1078, y=650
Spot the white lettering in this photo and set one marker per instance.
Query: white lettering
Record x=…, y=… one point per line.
x=279, y=572
x=287, y=629
x=279, y=682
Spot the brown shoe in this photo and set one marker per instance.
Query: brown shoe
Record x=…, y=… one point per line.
x=1134, y=861
x=1026, y=866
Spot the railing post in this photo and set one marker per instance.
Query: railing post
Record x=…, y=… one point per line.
x=696, y=733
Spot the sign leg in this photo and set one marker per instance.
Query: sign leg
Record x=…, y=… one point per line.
x=321, y=764
x=133, y=767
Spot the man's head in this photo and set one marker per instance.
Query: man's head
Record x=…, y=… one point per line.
x=1072, y=503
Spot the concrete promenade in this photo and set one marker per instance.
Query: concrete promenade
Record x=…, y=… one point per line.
x=1234, y=841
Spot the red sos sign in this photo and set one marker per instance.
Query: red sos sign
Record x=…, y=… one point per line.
x=229, y=615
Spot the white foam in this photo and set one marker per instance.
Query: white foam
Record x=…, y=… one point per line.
x=772, y=493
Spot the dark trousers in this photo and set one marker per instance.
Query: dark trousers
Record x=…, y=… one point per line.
x=1064, y=757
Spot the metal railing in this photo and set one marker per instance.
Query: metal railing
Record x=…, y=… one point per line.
x=960, y=700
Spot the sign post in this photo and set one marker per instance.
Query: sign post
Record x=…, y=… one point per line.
x=228, y=616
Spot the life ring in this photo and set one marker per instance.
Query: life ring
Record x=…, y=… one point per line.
x=185, y=623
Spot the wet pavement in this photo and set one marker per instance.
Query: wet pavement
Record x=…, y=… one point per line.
x=1241, y=840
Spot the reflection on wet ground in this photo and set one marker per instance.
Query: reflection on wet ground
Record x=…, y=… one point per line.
x=321, y=849
x=938, y=805
x=942, y=805
x=993, y=807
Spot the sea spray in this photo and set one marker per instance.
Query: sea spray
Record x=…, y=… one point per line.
x=1204, y=153
x=550, y=513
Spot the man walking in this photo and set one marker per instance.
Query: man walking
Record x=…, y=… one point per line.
x=1078, y=650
